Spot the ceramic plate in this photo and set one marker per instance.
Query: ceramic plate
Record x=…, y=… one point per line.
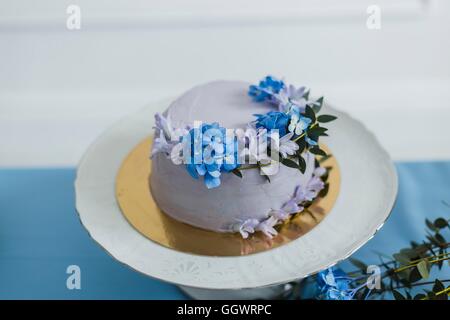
x=367, y=195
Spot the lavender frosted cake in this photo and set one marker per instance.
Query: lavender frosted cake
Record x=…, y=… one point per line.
x=229, y=156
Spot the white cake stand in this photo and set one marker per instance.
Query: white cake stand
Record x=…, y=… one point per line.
x=367, y=194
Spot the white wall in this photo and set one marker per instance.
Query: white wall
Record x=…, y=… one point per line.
x=59, y=89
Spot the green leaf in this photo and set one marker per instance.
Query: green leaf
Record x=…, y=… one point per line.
x=414, y=275
x=290, y=163
x=326, y=175
x=414, y=244
x=324, y=191
x=419, y=296
x=325, y=158
x=430, y=225
x=439, y=237
x=434, y=241
x=422, y=267
x=306, y=95
x=316, y=108
x=401, y=258
x=398, y=295
x=301, y=164
x=326, y=118
x=317, y=151
x=440, y=223
x=301, y=145
x=309, y=113
x=317, y=131
x=359, y=264
x=237, y=172
x=438, y=286
x=441, y=263
x=431, y=295
x=410, y=253
x=404, y=279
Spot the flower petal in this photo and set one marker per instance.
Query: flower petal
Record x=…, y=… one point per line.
x=201, y=169
x=211, y=182
x=192, y=170
x=215, y=174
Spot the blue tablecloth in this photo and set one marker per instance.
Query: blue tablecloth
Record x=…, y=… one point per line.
x=40, y=235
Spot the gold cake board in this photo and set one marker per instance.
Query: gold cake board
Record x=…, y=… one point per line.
x=137, y=205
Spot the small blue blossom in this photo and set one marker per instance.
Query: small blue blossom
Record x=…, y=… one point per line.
x=310, y=141
x=273, y=120
x=267, y=88
x=334, y=284
x=210, y=153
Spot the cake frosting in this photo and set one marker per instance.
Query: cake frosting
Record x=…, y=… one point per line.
x=245, y=203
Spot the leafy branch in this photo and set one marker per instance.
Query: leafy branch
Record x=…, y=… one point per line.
x=414, y=263
x=406, y=269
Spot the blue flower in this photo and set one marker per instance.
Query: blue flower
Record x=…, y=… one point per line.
x=211, y=152
x=273, y=120
x=334, y=284
x=267, y=87
x=310, y=141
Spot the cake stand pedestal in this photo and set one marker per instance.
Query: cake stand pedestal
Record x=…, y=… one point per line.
x=367, y=194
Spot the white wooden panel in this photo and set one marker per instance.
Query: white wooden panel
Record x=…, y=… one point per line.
x=59, y=89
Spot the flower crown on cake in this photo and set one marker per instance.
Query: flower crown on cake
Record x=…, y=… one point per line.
x=207, y=150
x=282, y=136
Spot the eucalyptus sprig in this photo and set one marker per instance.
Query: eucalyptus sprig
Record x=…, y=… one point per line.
x=410, y=267
x=405, y=270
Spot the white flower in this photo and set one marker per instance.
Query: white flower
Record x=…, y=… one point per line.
x=166, y=138
x=279, y=214
x=163, y=134
x=319, y=171
x=160, y=145
x=289, y=208
x=315, y=184
x=246, y=227
x=286, y=147
x=289, y=96
x=267, y=227
x=164, y=125
x=176, y=154
x=298, y=124
x=310, y=190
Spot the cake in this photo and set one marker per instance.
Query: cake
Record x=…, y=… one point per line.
x=229, y=156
